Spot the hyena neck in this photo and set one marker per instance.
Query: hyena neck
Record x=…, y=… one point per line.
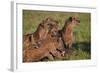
x=39, y=32
x=68, y=28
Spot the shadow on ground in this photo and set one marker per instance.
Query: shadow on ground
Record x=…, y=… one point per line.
x=85, y=46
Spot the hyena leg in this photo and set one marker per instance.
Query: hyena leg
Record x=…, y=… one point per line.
x=66, y=47
x=69, y=50
x=50, y=57
x=57, y=54
x=70, y=46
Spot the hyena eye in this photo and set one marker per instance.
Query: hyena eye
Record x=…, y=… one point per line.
x=50, y=25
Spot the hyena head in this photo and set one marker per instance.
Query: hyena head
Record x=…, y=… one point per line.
x=50, y=23
x=74, y=20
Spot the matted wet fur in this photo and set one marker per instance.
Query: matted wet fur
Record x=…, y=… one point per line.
x=41, y=33
x=50, y=41
x=49, y=48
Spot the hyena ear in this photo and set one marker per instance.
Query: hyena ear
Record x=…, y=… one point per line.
x=48, y=19
x=70, y=18
x=74, y=17
x=41, y=25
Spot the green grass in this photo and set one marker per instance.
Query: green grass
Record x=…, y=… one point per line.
x=82, y=33
x=79, y=54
